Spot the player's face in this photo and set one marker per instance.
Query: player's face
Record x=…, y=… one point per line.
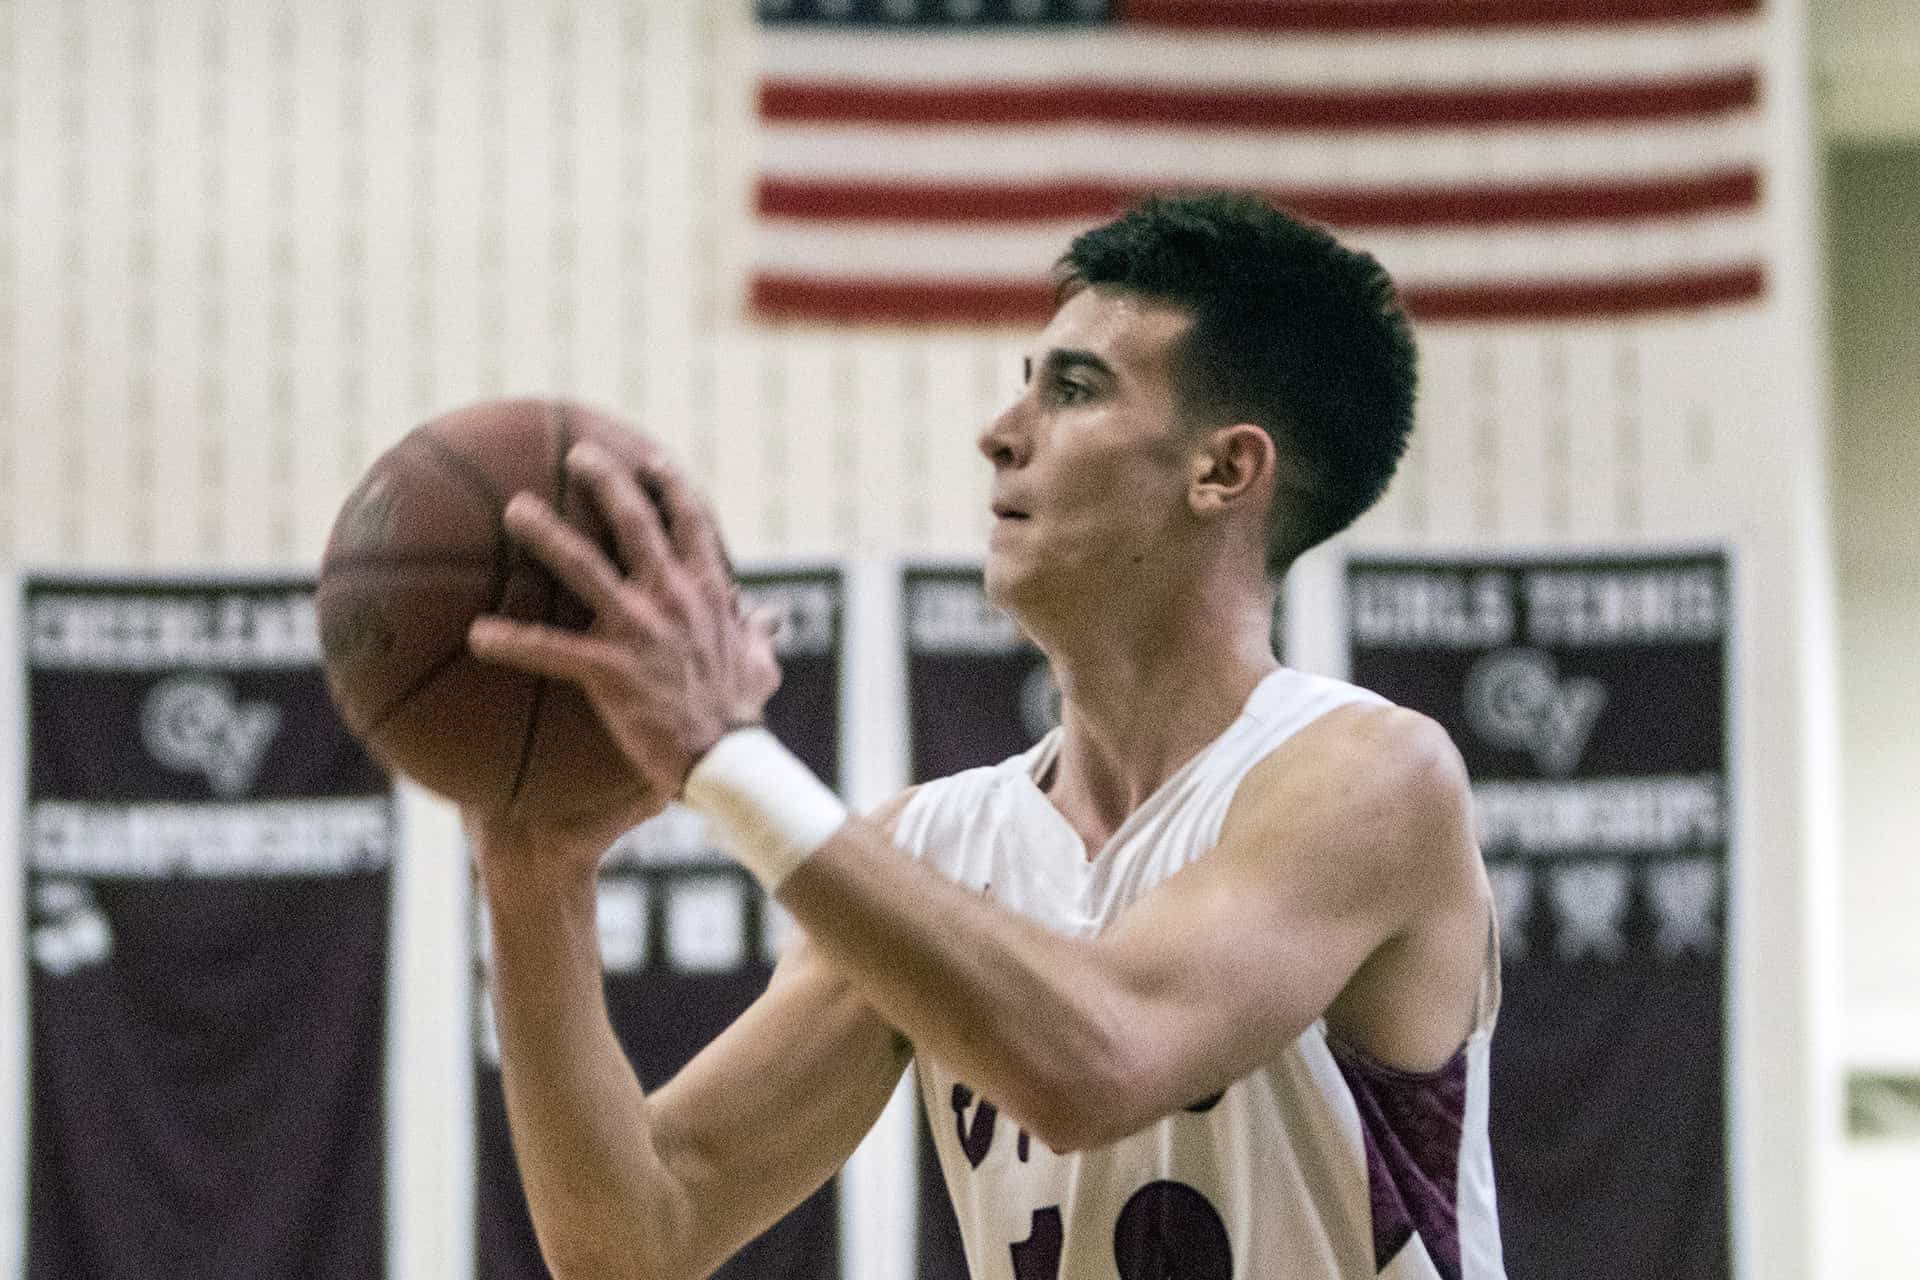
x=1090, y=462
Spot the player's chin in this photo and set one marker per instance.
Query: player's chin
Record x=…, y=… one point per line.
x=1003, y=576
x=1019, y=584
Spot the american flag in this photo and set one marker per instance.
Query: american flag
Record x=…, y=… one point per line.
x=924, y=161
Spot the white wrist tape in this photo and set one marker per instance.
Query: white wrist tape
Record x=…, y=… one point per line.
x=767, y=808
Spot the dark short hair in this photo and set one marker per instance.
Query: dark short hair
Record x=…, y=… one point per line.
x=1292, y=331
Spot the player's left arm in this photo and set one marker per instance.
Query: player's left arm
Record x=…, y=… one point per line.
x=1338, y=844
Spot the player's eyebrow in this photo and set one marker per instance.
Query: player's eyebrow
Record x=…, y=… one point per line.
x=1061, y=359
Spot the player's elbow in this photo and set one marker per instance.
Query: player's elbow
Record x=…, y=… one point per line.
x=1091, y=1098
x=1085, y=1123
x=593, y=1259
x=1057, y=1124
x=1066, y=1126
x=605, y=1259
x=1068, y=1133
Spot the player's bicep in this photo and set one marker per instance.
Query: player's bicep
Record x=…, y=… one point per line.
x=1319, y=864
x=773, y=1107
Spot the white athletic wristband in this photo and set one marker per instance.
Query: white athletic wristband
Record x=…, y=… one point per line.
x=767, y=808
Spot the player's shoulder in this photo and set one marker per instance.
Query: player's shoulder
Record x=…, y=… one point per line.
x=1393, y=767
x=1387, y=736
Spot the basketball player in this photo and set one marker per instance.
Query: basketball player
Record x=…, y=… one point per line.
x=1202, y=985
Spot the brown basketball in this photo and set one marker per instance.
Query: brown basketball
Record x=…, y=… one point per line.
x=417, y=552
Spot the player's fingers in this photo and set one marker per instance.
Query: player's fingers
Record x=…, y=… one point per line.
x=760, y=662
x=627, y=509
x=764, y=621
x=574, y=559
x=537, y=648
x=694, y=532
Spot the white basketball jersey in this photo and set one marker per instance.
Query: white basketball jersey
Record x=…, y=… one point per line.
x=1320, y=1165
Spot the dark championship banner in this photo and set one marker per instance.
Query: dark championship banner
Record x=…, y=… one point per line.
x=687, y=942
x=977, y=692
x=207, y=859
x=1589, y=698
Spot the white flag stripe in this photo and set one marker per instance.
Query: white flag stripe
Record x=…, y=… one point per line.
x=1375, y=160
x=1025, y=251
x=1159, y=59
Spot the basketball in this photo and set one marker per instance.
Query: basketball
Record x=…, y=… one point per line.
x=417, y=552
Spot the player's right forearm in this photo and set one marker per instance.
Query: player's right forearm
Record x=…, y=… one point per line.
x=602, y=1200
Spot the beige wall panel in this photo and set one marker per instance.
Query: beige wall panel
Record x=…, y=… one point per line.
x=969, y=381
x=627, y=154
x=450, y=288
x=882, y=507
x=1521, y=485
x=10, y=478
x=1446, y=427
x=179, y=247
x=382, y=225
x=1401, y=514
x=733, y=460
x=730, y=47
x=526, y=199
x=594, y=148
x=805, y=403
x=1582, y=415
x=1867, y=56
x=1679, y=379
x=99, y=371
x=238, y=365
x=39, y=253
x=673, y=381
x=327, y=440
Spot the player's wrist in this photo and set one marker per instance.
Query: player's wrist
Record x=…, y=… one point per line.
x=529, y=896
x=767, y=808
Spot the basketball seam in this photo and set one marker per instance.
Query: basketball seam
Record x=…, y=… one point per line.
x=464, y=470
x=563, y=434
x=425, y=678
x=476, y=478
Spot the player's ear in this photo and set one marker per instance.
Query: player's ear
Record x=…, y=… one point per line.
x=1232, y=466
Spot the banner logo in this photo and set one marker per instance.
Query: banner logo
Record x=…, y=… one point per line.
x=195, y=724
x=1517, y=700
x=69, y=930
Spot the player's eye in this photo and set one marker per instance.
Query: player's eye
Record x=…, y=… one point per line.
x=1070, y=390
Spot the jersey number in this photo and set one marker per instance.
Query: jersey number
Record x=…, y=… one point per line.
x=1167, y=1231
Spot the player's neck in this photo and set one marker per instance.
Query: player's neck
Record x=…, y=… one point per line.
x=1144, y=693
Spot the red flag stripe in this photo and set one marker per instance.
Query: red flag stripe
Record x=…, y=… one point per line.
x=807, y=299
x=1028, y=303
x=1579, y=300
x=1596, y=201
x=1308, y=16
x=797, y=102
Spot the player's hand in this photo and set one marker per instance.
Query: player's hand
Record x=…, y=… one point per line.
x=509, y=850
x=670, y=662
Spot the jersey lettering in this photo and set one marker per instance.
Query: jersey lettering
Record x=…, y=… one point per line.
x=1169, y=1231
x=1038, y=1256
x=976, y=1139
x=1166, y=1231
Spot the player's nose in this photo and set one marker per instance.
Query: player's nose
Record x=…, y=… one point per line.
x=1005, y=440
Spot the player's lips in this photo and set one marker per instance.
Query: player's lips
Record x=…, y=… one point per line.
x=1002, y=511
